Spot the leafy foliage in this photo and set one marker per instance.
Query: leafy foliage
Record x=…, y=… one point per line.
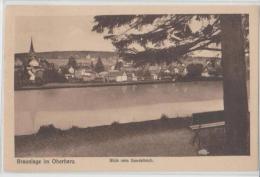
x=160, y=37
x=194, y=70
x=118, y=65
x=72, y=62
x=99, y=67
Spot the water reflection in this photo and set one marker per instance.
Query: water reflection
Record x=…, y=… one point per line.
x=102, y=105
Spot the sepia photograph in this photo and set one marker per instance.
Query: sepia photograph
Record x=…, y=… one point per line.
x=143, y=85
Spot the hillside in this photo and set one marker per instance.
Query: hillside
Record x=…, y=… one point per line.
x=67, y=54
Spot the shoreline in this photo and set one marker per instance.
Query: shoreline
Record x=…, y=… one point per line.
x=178, y=122
x=102, y=84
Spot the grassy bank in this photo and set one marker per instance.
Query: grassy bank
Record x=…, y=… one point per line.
x=163, y=137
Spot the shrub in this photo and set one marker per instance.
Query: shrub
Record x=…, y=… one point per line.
x=48, y=130
x=115, y=123
x=194, y=70
x=164, y=117
x=217, y=71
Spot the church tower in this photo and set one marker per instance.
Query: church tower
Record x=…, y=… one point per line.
x=32, y=59
x=31, y=51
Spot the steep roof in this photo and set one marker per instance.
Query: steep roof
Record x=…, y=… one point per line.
x=31, y=47
x=31, y=51
x=34, y=63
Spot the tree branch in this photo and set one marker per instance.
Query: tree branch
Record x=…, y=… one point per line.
x=211, y=49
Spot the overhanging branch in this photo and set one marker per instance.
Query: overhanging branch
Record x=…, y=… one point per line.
x=211, y=49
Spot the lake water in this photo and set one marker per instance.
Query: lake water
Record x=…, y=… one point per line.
x=94, y=106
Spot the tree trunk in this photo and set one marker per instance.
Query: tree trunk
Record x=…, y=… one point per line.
x=234, y=85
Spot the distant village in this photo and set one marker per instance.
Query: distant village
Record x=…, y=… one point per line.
x=35, y=70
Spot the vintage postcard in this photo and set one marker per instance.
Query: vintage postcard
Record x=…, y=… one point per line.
x=131, y=88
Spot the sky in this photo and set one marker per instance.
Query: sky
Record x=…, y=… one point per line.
x=58, y=34
x=65, y=33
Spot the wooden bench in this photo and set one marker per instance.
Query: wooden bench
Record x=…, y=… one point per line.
x=203, y=124
x=207, y=120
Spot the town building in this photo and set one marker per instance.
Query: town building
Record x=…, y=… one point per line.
x=18, y=63
x=117, y=76
x=34, y=69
